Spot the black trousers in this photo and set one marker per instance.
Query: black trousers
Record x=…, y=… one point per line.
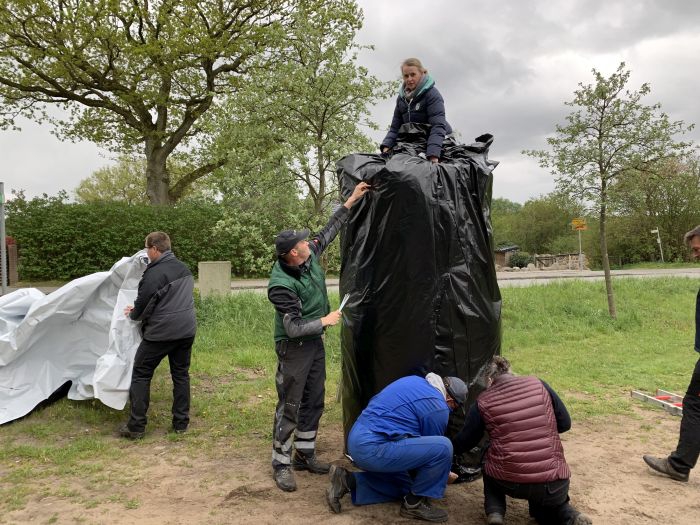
x=548, y=502
x=301, y=387
x=686, y=454
x=148, y=357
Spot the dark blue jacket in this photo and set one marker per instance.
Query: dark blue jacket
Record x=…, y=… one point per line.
x=427, y=107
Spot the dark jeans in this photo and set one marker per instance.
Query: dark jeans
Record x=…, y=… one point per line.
x=148, y=357
x=686, y=454
x=549, y=502
x=300, y=379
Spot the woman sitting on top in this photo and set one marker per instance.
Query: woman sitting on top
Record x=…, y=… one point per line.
x=420, y=102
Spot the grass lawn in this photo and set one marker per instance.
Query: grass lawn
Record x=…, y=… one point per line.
x=656, y=265
x=560, y=332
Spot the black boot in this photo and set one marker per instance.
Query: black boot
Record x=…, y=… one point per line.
x=130, y=434
x=310, y=463
x=423, y=510
x=664, y=467
x=338, y=488
x=284, y=477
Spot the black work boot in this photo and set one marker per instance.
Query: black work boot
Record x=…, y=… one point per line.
x=284, y=477
x=130, y=434
x=337, y=488
x=423, y=510
x=310, y=463
x=664, y=467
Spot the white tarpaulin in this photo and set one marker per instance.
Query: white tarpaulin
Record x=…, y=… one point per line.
x=78, y=333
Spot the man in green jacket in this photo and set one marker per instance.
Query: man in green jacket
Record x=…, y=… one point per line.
x=297, y=289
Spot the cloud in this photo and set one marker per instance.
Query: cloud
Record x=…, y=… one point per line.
x=508, y=67
x=37, y=162
x=503, y=67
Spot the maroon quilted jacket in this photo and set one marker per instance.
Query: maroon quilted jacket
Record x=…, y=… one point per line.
x=525, y=445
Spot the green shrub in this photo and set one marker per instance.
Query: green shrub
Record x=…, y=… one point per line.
x=520, y=259
x=59, y=240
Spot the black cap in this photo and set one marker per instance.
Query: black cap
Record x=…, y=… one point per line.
x=288, y=239
x=457, y=389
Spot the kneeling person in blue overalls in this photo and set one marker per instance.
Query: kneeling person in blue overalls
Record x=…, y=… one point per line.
x=399, y=442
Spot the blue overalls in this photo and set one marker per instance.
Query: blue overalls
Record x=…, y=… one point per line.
x=399, y=442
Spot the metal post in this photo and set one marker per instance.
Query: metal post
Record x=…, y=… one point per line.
x=658, y=240
x=580, y=253
x=3, y=248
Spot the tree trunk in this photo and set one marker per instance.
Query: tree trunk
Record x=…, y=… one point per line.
x=606, y=261
x=157, y=178
x=318, y=203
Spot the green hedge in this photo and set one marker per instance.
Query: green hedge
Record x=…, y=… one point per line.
x=62, y=241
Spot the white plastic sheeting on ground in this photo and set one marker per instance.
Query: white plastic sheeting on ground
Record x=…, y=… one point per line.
x=78, y=333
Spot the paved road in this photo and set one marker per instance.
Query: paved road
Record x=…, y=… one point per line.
x=505, y=279
x=521, y=278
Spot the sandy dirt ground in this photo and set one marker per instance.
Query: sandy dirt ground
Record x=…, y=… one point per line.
x=610, y=483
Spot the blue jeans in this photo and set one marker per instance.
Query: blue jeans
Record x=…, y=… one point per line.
x=393, y=468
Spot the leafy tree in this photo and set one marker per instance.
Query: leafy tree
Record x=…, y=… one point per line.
x=504, y=216
x=122, y=182
x=137, y=73
x=609, y=133
x=292, y=123
x=543, y=224
x=667, y=197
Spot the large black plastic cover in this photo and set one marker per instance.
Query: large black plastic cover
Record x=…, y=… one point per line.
x=417, y=261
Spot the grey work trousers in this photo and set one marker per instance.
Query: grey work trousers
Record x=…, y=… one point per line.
x=300, y=380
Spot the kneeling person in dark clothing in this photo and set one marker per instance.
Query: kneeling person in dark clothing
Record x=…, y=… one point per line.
x=165, y=307
x=525, y=460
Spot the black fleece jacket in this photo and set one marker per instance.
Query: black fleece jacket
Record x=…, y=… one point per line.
x=165, y=303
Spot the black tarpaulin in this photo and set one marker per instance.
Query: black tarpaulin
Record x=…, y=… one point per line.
x=417, y=261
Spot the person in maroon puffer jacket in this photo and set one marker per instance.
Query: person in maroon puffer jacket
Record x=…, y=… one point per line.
x=525, y=458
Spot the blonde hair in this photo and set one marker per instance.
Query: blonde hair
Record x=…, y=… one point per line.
x=415, y=63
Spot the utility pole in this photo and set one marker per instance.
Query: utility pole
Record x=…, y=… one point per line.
x=658, y=240
x=3, y=248
x=579, y=224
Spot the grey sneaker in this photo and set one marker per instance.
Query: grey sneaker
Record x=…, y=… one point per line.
x=284, y=478
x=337, y=488
x=582, y=519
x=664, y=467
x=423, y=510
x=495, y=518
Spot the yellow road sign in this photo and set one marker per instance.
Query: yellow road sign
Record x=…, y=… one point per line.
x=579, y=224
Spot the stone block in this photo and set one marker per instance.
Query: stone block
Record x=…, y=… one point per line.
x=214, y=277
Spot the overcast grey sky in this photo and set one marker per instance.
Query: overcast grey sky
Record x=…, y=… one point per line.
x=503, y=67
